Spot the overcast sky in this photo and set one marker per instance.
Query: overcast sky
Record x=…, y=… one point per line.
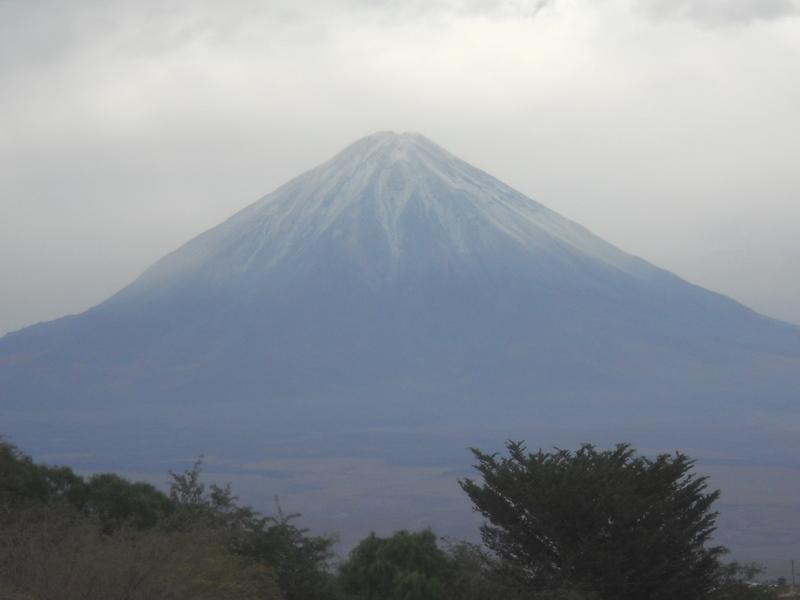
x=669, y=127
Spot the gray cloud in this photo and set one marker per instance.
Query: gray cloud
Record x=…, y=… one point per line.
x=715, y=13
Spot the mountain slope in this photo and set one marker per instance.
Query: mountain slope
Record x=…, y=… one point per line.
x=396, y=285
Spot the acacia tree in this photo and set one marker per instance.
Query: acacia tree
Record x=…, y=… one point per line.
x=606, y=524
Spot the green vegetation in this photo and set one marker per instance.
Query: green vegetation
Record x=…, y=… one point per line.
x=64, y=537
x=401, y=567
x=560, y=526
x=603, y=523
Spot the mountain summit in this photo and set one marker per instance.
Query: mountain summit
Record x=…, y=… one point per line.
x=396, y=285
x=388, y=205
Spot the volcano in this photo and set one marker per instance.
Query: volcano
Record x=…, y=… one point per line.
x=396, y=285
x=396, y=304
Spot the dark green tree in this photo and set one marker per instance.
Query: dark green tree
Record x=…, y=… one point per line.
x=23, y=482
x=605, y=524
x=116, y=502
x=404, y=566
x=302, y=561
x=112, y=501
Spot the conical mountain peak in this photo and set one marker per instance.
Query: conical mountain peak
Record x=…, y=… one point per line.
x=386, y=149
x=392, y=203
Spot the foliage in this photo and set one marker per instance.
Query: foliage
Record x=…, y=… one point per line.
x=587, y=525
x=603, y=523
x=405, y=566
x=738, y=582
x=477, y=575
x=57, y=554
x=413, y=566
x=87, y=537
x=24, y=483
x=212, y=506
x=118, y=503
x=113, y=501
x=301, y=562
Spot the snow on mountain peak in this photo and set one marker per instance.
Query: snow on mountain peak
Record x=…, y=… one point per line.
x=391, y=201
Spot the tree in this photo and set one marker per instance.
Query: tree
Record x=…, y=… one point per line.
x=25, y=483
x=63, y=537
x=111, y=500
x=116, y=502
x=604, y=524
x=478, y=576
x=300, y=562
x=404, y=566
